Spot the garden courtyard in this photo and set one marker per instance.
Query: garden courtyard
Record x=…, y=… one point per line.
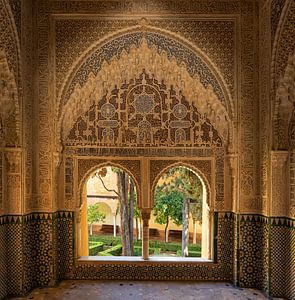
x=105, y=245
x=113, y=221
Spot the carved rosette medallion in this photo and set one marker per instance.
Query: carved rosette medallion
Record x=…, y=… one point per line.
x=144, y=113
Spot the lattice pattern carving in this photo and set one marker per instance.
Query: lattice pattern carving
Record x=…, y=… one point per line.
x=144, y=113
x=13, y=189
x=162, y=69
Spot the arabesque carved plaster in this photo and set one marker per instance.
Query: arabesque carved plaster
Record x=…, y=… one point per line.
x=120, y=70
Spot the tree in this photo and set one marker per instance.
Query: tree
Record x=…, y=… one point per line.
x=127, y=199
x=94, y=215
x=168, y=205
x=196, y=213
x=183, y=182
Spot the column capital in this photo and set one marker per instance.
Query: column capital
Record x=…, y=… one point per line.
x=13, y=159
x=279, y=158
x=233, y=160
x=145, y=213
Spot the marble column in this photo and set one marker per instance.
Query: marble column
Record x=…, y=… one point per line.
x=145, y=233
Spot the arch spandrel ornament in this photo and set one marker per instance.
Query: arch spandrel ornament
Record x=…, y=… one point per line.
x=145, y=112
x=102, y=75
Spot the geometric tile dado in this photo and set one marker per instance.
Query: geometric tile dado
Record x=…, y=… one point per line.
x=207, y=84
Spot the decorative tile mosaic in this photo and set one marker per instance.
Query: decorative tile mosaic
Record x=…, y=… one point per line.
x=65, y=244
x=3, y=274
x=290, y=293
x=41, y=252
x=252, y=251
x=282, y=258
x=14, y=255
x=10, y=256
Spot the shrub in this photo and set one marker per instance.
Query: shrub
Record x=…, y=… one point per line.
x=157, y=251
x=194, y=254
x=137, y=251
x=114, y=251
x=107, y=240
x=194, y=247
x=95, y=248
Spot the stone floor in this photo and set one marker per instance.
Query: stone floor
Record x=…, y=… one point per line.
x=143, y=290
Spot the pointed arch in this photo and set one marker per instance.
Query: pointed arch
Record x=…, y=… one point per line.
x=96, y=74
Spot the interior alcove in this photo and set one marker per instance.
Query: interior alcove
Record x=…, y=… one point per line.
x=145, y=117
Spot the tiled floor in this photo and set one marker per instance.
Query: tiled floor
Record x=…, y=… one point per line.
x=143, y=290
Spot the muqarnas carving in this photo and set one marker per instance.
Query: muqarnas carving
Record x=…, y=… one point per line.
x=144, y=113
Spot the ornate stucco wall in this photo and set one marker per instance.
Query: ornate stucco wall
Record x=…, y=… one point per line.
x=231, y=61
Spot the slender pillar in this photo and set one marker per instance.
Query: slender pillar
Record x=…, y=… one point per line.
x=185, y=226
x=139, y=229
x=115, y=225
x=145, y=233
x=233, y=164
x=195, y=232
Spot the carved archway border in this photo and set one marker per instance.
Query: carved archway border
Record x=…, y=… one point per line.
x=82, y=179
x=284, y=106
x=195, y=169
x=12, y=69
x=279, y=80
x=143, y=27
x=139, y=29
x=15, y=33
x=277, y=39
x=9, y=103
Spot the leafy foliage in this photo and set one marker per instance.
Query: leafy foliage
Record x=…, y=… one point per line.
x=94, y=215
x=168, y=205
x=174, y=186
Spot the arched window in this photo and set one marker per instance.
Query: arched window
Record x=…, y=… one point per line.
x=110, y=224
x=180, y=221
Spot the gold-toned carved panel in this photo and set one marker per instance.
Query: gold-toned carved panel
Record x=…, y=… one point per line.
x=144, y=113
x=13, y=181
x=9, y=112
x=109, y=67
x=284, y=105
x=74, y=36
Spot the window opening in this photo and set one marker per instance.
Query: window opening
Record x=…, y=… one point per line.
x=113, y=218
x=179, y=215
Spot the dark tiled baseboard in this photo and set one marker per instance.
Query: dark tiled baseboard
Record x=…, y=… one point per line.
x=41, y=252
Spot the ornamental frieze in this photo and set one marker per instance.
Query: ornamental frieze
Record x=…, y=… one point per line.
x=144, y=113
x=149, y=79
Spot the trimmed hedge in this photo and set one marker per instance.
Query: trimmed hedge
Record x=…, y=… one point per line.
x=172, y=247
x=107, y=240
x=138, y=251
x=114, y=251
x=95, y=248
x=194, y=253
x=194, y=250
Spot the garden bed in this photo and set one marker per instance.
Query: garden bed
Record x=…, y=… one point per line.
x=111, y=246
